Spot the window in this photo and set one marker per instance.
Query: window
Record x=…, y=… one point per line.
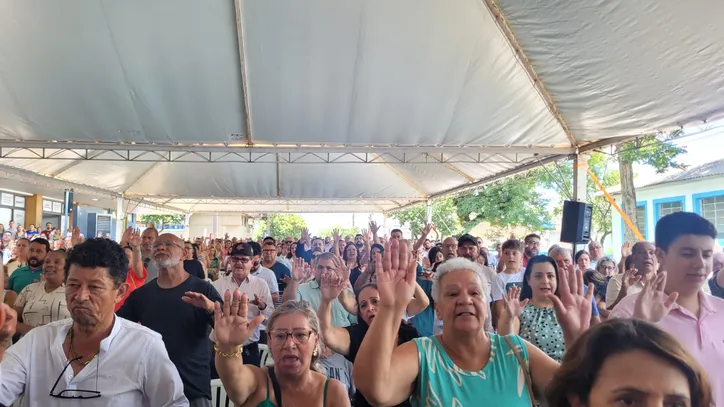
x=667, y=208
x=713, y=210
x=641, y=219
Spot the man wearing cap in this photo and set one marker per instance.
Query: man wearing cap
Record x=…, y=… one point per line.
x=255, y=288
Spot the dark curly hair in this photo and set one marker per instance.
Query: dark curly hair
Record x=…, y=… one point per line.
x=100, y=253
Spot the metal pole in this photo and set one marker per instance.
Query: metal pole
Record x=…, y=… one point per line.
x=428, y=211
x=580, y=178
x=119, y=219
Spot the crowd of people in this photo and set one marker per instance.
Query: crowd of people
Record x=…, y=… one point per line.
x=362, y=320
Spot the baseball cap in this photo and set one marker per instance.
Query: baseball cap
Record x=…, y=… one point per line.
x=241, y=249
x=467, y=238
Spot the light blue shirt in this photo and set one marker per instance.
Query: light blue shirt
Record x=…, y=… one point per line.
x=311, y=293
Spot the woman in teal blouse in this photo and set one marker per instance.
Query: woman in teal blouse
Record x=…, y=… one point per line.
x=464, y=366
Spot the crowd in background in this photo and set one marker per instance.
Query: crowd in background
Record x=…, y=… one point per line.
x=365, y=320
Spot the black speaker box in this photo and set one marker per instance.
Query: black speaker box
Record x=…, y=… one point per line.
x=576, y=224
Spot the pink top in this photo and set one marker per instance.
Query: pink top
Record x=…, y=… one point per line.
x=703, y=337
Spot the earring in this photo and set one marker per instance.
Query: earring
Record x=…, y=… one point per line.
x=315, y=352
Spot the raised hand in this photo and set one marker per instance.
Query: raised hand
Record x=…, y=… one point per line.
x=396, y=278
x=305, y=235
x=427, y=229
x=512, y=304
x=331, y=286
x=135, y=240
x=258, y=302
x=335, y=235
x=198, y=300
x=126, y=235
x=342, y=270
x=630, y=278
x=626, y=250
x=75, y=237
x=652, y=303
x=573, y=309
x=231, y=326
x=374, y=228
x=299, y=270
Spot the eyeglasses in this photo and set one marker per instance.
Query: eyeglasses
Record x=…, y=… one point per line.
x=269, y=250
x=167, y=244
x=74, y=393
x=242, y=260
x=300, y=337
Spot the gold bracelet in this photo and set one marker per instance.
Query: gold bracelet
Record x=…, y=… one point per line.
x=232, y=355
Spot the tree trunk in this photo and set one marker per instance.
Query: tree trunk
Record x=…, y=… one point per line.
x=628, y=198
x=603, y=238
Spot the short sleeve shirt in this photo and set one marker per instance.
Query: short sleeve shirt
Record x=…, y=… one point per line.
x=311, y=293
x=40, y=307
x=702, y=336
x=23, y=277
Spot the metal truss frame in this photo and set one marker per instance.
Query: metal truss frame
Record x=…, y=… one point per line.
x=302, y=154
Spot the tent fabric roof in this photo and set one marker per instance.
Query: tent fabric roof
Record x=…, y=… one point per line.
x=278, y=105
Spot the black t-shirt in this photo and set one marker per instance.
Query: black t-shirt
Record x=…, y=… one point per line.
x=185, y=329
x=357, y=333
x=280, y=270
x=194, y=268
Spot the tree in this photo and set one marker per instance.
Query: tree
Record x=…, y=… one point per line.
x=559, y=177
x=505, y=204
x=444, y=216
x=342, y=231
x=161, y=221
x=655, y=150
x=281, y=225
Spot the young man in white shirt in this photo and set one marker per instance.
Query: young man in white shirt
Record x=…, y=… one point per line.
x=95, y=355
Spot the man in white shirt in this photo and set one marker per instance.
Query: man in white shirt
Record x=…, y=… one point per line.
x=256, y=289
x=264, y=273
x=96, y=356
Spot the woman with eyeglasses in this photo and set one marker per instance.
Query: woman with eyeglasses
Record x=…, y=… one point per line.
x=605, y=268
x=627, y=362
x=294, y=345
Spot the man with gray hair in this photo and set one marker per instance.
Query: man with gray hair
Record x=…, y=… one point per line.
x=180, y=307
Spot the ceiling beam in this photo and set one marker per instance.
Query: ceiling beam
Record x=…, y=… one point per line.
x=536, y=80
x=8, y=148
x=242, y=66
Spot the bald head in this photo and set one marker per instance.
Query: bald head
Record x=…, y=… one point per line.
x=449, y=248
x=168, y=251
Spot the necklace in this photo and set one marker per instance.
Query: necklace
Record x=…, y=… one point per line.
x=74, y=355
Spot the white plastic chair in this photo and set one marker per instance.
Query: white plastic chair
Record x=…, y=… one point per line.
x=218, y=395
x=265, y=356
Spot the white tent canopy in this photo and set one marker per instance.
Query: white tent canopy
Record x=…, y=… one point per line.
x=322, y=105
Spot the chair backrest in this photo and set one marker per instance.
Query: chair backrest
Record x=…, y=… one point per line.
x=218, y=395
x=265, y=356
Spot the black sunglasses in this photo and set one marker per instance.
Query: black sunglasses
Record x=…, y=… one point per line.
x=74, y=394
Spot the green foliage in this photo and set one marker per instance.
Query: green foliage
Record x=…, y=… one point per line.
x=560, y=179
x=159, y=221
x=342, y=231
x=281, y=225
x=444, y=216
x=505, y=204
x=654, y=150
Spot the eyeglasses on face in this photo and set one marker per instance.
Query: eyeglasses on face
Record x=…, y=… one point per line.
x=242, y=260
x=74, y=393
x=299, y=336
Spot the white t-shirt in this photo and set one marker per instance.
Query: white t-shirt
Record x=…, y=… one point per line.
x=504, y=281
